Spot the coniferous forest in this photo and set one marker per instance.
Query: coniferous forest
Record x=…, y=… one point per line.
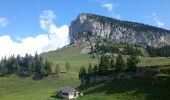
x=25, y=66
x=163, y=51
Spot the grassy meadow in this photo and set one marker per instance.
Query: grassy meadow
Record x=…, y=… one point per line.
x=71, y=55
x=16, y=88
x=136, y=89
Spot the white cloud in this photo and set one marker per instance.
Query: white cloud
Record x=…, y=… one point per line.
x=3, y=22
x=56, y=37
x=109, y=6
x=111, y=9
x=27, y=45
x=158, y=23
x=46, y=19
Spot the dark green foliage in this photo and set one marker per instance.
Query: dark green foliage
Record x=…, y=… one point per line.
x=26, y=63
x=57, y=70
x=110, y=46
x=25, y=66
x=3, y=69
x=95, y=68
x=104, y=63
x=48, y=67
x=107, y=47
x=131, y=50
x=39, y=68
x=120, y=65
x=163, y=51
x=82, y=72
x=67, y=66
x=112, y=63
x=10, y=64
x=132, y=62
x=90, y=69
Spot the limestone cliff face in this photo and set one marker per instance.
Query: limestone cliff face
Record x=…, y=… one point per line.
x=104, y=27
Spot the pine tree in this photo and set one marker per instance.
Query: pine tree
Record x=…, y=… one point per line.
x=27, y=65
x=102, y=64
x=42, y=68
x=107, y=62
x=132, y=62
x=82, y=72
x=95, y=69
x=90, y=69
x=48, y=67
x=57, y=70
x=1, y=69
x=120, y=64
x=112, y=63
x=39, y=67
x=10, y=64
x=18, y=60
x=36, y=64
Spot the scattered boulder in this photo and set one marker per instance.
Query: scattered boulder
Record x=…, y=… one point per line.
x=86, y=50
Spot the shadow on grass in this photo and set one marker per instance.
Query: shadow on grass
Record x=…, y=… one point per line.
x=138, y=86
x=55, y=96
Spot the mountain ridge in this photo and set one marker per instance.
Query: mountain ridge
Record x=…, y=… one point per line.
x=123, y=20
x=125, y=31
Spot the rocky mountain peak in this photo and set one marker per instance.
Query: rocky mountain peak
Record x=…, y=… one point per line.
x=92, y=26
x=82, y=18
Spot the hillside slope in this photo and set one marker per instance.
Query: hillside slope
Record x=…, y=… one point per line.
x=16, y=88
x=71, y=55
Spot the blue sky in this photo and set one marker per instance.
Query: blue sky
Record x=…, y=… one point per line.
x=23, y=15
x=20, y=19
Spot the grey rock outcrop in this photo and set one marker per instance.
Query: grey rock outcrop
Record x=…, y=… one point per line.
x=104, y=27
x=86, y=50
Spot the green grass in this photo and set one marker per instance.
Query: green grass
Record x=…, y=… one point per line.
x=76, y=60
x=153, y=61
x=16, y=88
x=137, y=89
x=71, y=55
x=162, y=74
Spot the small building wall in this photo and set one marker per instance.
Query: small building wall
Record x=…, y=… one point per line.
x=69, y=93
x=72, y=96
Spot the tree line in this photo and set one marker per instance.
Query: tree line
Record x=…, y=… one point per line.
x=108, y=64
x=163, y=51
x=113, y=47
x=25, y=66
